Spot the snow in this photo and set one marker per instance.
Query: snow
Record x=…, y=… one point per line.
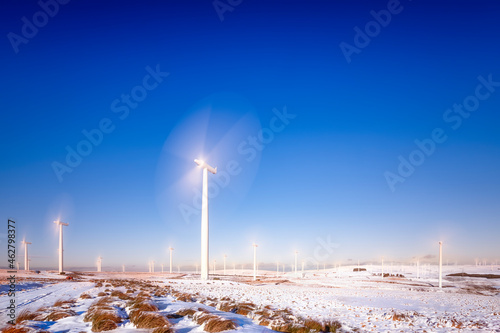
x=356, y=299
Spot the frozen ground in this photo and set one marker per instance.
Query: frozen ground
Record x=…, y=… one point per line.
x=360, y=301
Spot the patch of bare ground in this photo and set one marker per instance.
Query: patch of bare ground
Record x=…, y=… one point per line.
x=486, y=276
x=480, y=289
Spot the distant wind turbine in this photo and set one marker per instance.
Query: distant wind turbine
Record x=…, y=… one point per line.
x=204, y=218
x=26, y=260
x=99, y=264
x=171, y=249
x=61, y=224
x=225, y=256
x=296, y=252
x=440, y=264
x=255, y=261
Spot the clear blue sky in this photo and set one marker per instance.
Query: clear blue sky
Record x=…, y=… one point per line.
x=320, y=179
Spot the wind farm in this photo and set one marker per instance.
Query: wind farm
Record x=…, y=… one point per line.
x=250, y=166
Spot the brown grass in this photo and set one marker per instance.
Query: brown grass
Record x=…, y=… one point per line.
x=103, y=325
x=219, y=324
x=101, y=294
x=332, y=326
x=85, y=296
x=149, y=319
x=142, y=304
x=213, y=323
x=14, y=329
x=25, y=314
x=186, y=312
x=60, y=314
x=121, y=295
x=62, y=302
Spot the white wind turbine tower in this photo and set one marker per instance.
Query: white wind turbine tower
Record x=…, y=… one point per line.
x=123, y=268
x=99, y=264
x=225, y=256
x=204, y=218
x=440, y=264
x=255, y=261
x=152, y=266
x=26, y=260
x=171, y=250
x=296, y=252
x=60, y=224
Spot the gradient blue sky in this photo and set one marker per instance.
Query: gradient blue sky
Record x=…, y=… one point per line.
x=319, y=180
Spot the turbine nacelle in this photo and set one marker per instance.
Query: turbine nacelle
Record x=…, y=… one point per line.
x=60, y=223
x=203, y=164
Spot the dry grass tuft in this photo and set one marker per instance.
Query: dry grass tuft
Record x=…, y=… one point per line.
x=101, y=294
x=104, y=325
x=25, y=314
x=186, y=312
x=59, y=314
x=313, y=325
x=61, y=302
x=332, y=326
x=85, y=296
x=213, y=323
x=219, y=324
x=121, y=295
x=148, y=319
x=142, y=304
x=14, y=329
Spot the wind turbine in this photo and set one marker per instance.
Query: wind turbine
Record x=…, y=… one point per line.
x=152, y=266
x=225, y=256
x=26, y=262
x=440, y=264
x=204, y=218
x=255, y=261
x=171, y=249
x=99, y=264
x=60, y=224
x=296, y=252
x=123, y=268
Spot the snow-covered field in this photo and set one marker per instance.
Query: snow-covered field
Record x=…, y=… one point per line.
x=359, y=301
